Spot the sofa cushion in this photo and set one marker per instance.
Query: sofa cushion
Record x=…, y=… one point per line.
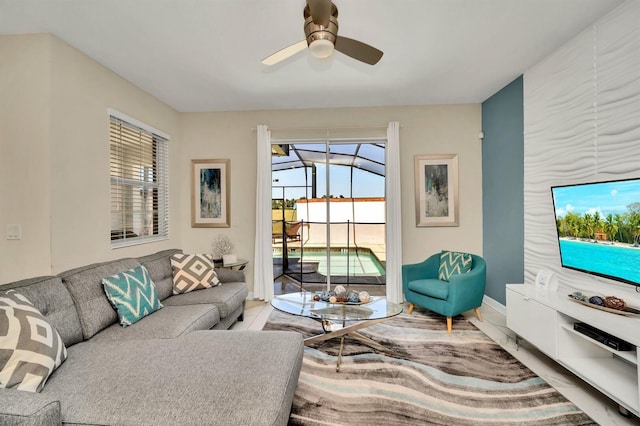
x=52, y=299
x=167, y=323
x=430, y=287
x=205, y=377
x=193, y=272
x=29, y=409
x=452, y=262
x=30, y=348
x=132, y=294
x=159, y=267
x=85, y=285
x=227, y=297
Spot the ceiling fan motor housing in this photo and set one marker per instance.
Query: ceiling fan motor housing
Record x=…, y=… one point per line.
x=314, y=31
x=321, y=37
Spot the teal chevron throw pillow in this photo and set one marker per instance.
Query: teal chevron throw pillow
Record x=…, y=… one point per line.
x=132, y=294
x=452, y=262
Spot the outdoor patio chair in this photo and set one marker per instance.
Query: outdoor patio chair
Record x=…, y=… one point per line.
x=293, y=231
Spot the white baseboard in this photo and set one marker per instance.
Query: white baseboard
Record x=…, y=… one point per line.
x=495, y=305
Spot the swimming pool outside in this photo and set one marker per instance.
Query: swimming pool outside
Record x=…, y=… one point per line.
x=360, y=263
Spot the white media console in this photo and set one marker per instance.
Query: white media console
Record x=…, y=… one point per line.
x=546, y=320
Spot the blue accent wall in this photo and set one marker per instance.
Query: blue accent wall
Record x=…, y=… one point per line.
x=503, y=188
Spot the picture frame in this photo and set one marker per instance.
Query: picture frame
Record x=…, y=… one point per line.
x=436, y=190
x=210, y=193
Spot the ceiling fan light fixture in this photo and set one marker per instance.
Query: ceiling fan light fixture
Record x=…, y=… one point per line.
x=321, y=48
x=321, y=37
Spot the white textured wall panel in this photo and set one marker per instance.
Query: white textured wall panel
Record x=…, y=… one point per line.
x=559, y=142
x=618, y=92
x=581, y=124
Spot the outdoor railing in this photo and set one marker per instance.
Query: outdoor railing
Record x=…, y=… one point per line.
x=360, y=248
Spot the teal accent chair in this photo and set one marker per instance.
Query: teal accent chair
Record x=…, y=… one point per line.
x=463, y=292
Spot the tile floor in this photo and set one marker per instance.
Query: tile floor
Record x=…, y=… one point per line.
x=600, y=408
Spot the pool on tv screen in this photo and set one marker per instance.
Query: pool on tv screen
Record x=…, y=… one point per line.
x=617, y=262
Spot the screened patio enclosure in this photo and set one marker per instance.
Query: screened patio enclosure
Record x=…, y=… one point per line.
x=328, y=213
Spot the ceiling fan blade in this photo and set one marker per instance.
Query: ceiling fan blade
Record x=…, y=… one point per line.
x=358, y=50
x=285, y=53
x=320, y=11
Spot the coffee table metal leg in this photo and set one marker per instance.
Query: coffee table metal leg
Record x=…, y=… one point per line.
x=350, y=330
x=331, y=334
x=370, y=342
x=340, y=354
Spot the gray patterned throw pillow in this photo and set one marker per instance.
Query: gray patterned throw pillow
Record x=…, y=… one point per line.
x=193, y=272
x=30, y=347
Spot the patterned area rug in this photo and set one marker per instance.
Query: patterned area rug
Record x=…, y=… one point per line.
x=434, y=377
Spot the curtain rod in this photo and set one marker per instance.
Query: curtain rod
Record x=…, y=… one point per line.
x=280, y=129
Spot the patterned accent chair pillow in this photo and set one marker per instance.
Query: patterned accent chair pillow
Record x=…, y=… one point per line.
x=133, y=294
x=452, y=262
x=30, y=347
x=193, y=272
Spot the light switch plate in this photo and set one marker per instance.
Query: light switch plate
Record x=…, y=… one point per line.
x=14, y=232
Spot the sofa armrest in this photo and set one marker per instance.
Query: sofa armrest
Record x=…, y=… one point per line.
x=28, y=408
x=230, y=276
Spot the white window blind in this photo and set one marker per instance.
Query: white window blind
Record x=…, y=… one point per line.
x=139, y=184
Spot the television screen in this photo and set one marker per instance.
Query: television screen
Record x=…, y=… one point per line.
x=598, y=227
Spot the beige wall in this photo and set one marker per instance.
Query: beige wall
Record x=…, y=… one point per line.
x=54, y=130
x=81, y=92
x=57, y=145
x=442, y=129
x=24, y=155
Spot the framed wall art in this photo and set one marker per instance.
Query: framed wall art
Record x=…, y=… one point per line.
x=210, y=194
x=436, y=184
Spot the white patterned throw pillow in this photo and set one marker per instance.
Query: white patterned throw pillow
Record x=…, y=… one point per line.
x=30, y=347
x=193, y=272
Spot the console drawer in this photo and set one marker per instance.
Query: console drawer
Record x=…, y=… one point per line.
x=532, y=321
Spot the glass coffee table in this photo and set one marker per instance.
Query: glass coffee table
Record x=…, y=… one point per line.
x=339, y=319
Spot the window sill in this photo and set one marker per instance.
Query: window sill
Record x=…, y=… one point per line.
x=137, y=241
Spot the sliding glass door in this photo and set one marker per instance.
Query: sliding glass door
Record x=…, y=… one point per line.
x=328, y=212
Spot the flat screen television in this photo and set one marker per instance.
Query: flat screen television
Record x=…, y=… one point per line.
x=598, y=228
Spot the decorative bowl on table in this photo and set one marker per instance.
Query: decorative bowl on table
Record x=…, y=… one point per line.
x=341, y=296
x=610, y=304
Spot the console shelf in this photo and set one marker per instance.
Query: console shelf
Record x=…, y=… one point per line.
x=630, y=356
x=608, y=376
x=547, y=319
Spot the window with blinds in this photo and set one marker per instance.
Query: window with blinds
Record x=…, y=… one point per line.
x=139, y=184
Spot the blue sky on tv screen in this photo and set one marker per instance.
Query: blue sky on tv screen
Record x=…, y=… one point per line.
x=604, y=197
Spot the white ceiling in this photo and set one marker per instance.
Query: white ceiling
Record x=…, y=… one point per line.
x=204, y=55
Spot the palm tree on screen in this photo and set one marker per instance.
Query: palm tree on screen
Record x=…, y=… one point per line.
x=610, y=227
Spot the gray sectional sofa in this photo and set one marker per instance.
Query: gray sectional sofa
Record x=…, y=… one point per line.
x=167, y=368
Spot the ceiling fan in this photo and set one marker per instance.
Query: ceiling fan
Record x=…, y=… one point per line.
x=321, y=31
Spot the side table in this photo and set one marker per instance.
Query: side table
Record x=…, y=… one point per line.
x=239, y=265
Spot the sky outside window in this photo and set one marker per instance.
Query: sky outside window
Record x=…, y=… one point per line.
x=365, y=184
